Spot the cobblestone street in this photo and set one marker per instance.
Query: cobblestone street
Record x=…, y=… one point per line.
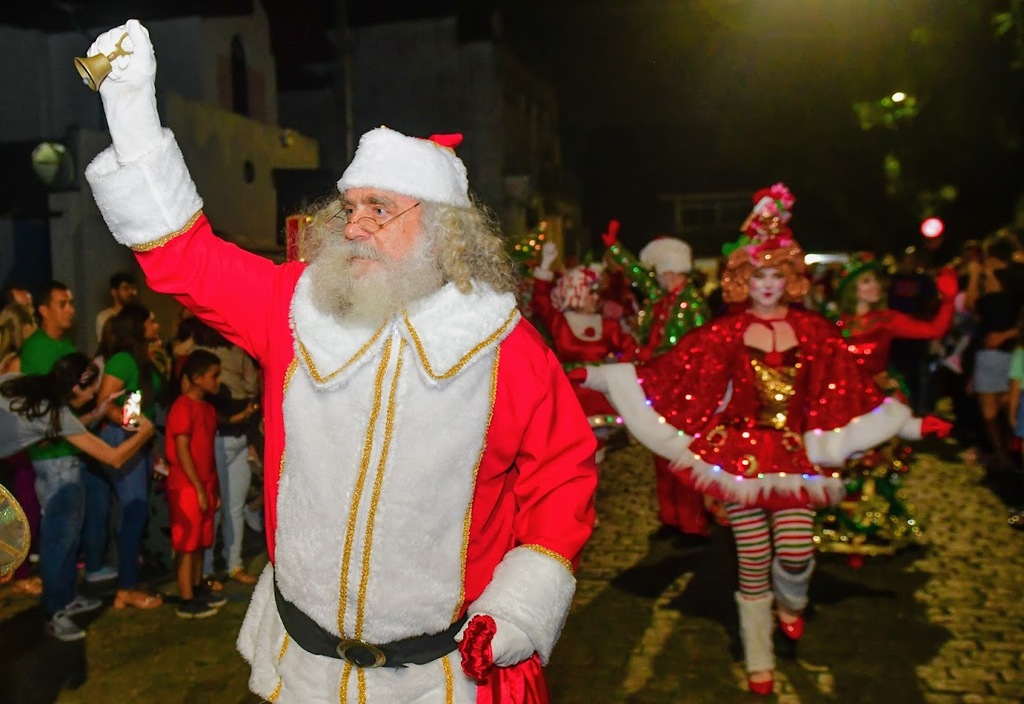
x=653, y=623
x=940, y=623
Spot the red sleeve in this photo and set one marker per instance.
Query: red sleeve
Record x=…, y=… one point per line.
x=689, y=382
x=838, y=388
x=541, y=302
x=232, y=290
x=557, y=475
x=906, y=327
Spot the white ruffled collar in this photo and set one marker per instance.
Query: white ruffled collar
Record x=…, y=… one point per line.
x=446, y=331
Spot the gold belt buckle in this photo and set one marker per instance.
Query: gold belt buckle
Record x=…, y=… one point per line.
x=361, y=653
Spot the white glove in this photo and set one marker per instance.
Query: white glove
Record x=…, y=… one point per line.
x=129, y=92
x=548, y=255
x=509, y=646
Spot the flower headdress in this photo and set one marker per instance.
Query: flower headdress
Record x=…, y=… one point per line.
x=765, y=228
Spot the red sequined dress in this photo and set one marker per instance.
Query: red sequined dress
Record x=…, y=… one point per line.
x=875, y=518
x=869, y=337
x=755, y=428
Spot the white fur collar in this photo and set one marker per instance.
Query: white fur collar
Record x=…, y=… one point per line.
x=446, y=331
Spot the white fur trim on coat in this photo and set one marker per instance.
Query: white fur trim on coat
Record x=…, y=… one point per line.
x=414, y=167
x=447, y=331
x=647, y=425
x=911, y=430
x=832, y=448
x=532, y=591
x=147, y=199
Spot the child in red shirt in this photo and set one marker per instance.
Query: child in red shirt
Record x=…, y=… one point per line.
x=192, y=490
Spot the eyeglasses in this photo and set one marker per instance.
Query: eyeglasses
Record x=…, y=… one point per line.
x=339, y=221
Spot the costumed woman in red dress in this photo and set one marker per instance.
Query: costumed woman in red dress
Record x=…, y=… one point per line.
x=755, y=408
x=569, y=308
x=874, y=518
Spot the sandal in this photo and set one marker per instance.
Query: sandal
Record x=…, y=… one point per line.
x=137, y=599
x=240, y=575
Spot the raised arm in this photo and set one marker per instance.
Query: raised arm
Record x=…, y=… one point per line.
x=907, y=327
x=148, y=199
x=98, y=449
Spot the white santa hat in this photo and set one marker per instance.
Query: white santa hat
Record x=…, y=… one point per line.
x=667, y=254
x=427, y=169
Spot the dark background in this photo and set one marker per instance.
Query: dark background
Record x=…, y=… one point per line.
x=662, y=96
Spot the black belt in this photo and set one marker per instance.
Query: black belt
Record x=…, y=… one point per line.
x=311, y=637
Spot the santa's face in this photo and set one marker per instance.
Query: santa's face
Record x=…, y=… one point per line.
x=767, y=286
x=387, y=222
x=375, y=259
x=869, y=289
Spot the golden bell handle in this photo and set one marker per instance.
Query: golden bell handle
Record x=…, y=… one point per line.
x=93, y=69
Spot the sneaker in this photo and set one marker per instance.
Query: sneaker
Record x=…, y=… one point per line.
x=214, y=601
x=63, y=628
x=195, y=608
x=204, y=593
x=103, y=574
x=81, y=604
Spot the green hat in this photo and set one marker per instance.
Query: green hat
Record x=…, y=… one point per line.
x=857, y=264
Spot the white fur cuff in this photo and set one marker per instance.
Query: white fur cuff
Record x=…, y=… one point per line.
x=543, y=274
x=832, y=447
x=650, y=428
x=532, y=591
x=911, y=430
x=147, y=199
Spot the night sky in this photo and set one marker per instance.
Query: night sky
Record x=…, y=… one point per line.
x=727, y=95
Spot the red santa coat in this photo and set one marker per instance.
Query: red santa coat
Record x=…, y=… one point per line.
x=346, y=489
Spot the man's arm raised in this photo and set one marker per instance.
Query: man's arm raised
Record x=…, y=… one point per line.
x=148, y=199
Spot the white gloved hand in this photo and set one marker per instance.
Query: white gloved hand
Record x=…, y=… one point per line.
x=509, y=646
x=129, y=92
x=548, y=255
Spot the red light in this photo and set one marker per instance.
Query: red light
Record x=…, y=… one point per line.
x=932, y=228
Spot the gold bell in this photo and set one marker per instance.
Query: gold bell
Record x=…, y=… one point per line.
x=93, y=69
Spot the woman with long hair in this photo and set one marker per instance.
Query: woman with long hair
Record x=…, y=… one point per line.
x=741, y=407
x=36, y=408
x=128, y=340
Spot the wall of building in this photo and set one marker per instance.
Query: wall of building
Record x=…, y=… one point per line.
x=417, y=78
x=223, y=150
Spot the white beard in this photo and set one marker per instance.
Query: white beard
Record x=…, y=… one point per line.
x=339, y=289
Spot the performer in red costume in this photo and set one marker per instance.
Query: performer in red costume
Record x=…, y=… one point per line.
x=752, y=408
x=569, y=309
x=426, y=458
x=672, y=307
x=869, y=327
x=874, y=518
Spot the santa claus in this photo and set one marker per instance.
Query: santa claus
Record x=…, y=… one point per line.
x=427, y=460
